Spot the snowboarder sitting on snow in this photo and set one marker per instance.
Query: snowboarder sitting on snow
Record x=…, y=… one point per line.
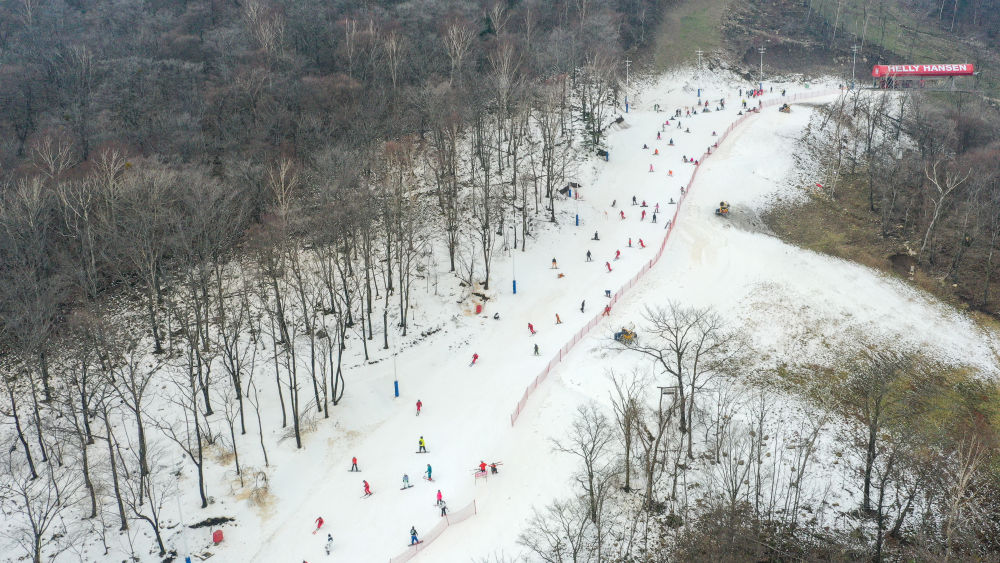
x=413, y=536
x=671, y=143
x=687, y=130
x=671, y=200
x=713, y=133
x=644, y=146
x=595, y=236
x=496, y=316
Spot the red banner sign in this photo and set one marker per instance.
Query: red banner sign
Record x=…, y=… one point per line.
x=922, y=70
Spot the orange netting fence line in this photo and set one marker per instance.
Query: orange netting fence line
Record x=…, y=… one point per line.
x=455, y=517
x=659, y=253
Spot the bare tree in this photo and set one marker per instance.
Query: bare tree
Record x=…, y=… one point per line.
x=693, y=346
x=157, y=487
x=39, y=503
x=943, y=187
x=588, y=440
x=130, y=375
x=627, y=404
x=870, y=395
x=458, y=41
x=559, y=533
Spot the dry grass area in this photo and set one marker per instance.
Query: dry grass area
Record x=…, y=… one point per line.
x=844, y=228
x=687, y=26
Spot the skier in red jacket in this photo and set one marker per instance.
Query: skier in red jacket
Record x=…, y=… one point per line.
x=319, y=523
x=531, y=328
x=474, y=358
x=419, y=404
x=482, y=466
x=618, y=254
x=354, y=464
x=608, y=264
x=368, y=489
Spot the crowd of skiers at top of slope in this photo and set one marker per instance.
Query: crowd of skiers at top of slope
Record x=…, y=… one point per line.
x=643, y=205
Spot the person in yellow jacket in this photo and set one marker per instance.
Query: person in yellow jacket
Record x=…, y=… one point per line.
x=423, y=446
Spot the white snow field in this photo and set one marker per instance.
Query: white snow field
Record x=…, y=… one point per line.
x=793, y=301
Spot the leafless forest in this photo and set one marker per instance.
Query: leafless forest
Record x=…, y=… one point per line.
x=193, y=187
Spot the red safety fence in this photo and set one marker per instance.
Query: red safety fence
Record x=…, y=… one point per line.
x=656, y=258
x=453, y=518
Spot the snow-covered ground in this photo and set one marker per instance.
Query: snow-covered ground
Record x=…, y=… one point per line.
x=795, y=302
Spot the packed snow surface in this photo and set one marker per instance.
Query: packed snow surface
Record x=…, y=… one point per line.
x=794, y=301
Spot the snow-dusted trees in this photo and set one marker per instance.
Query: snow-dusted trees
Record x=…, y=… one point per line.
x=597, y=83
x=486, y=197
x=551, y=165
x=690, y=345
x=444, y=160
x=588, y=440
x=40, y=502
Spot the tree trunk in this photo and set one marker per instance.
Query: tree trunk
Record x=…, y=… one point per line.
x=20, y=432
x=114, y=474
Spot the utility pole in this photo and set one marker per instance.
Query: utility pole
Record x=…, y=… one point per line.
x=628, y=62
x=762, y=50
x=699, y=52
x=854, y=49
